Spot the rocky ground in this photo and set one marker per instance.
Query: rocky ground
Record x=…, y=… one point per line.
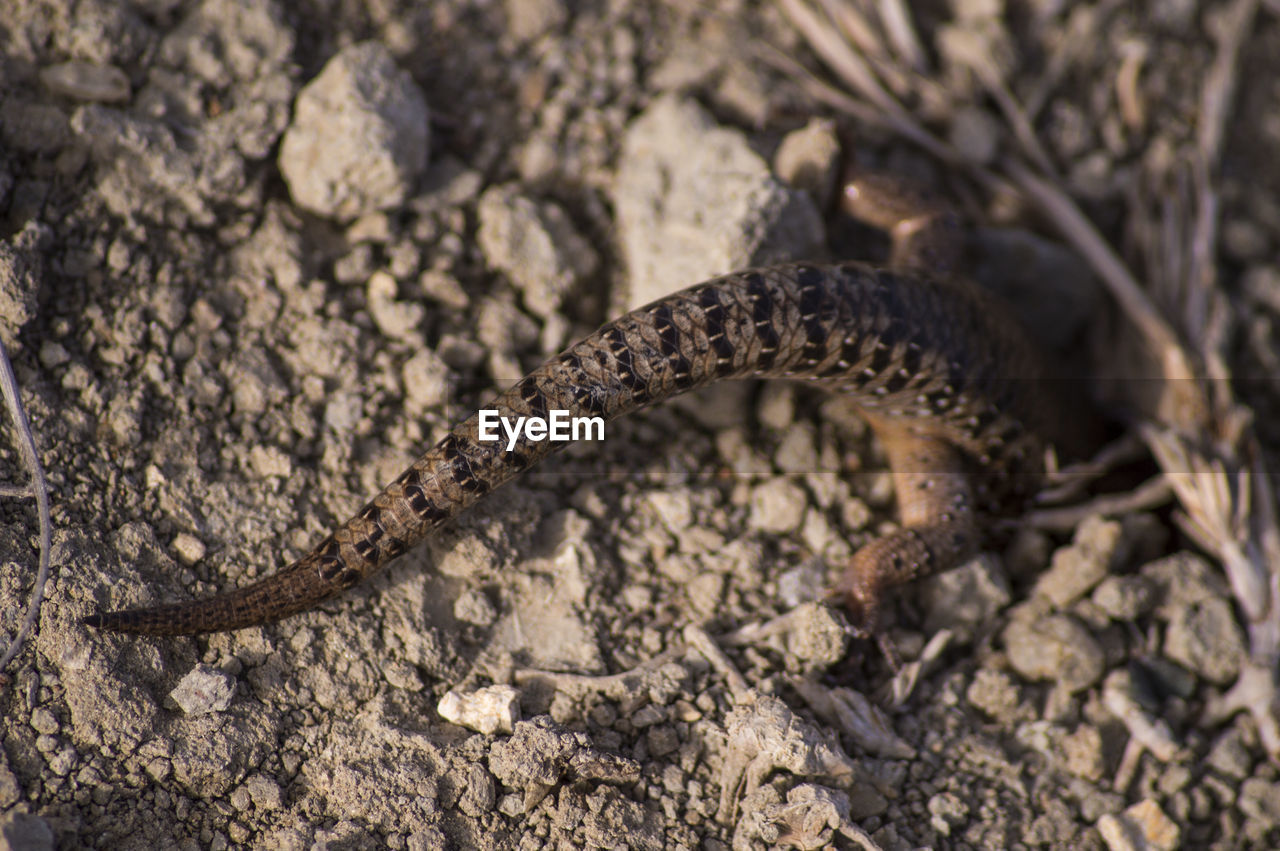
x=255, y=257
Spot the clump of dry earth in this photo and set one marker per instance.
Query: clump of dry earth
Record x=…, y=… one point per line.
x=256, y=256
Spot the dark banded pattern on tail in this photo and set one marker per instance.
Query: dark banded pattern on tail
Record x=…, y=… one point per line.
x=935, y=359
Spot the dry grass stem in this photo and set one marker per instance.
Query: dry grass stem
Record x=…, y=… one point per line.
x=1133, y=108
x=579, y=685
x=850, y=66
x=1071, y=483
x=1153, y=493
x=855, y=715
x=1137, y=305
x=698, y=639
x=895, y=16
x=38, y=489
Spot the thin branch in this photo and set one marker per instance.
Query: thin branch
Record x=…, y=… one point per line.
x=27, y=449
x=1220, y=82
x=1071, y=483
x=1153, y=493
x=697, y=638
x=1109, y=267
x=1019, y=121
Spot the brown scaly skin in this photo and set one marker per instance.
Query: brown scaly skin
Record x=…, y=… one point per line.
x=943, y=373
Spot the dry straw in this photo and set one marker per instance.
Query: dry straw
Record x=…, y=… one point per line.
x=37, y=489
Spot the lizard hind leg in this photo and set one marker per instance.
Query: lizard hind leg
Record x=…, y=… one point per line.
x=935, y=498
x=939, y=526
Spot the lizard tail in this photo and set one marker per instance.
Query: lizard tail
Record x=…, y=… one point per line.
x=298, y=587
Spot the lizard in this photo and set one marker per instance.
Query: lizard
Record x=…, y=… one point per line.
x=953, y=388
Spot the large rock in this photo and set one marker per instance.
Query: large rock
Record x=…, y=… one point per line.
x=359, y=136
x=694, y=201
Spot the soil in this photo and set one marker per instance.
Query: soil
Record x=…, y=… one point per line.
x=216, y=375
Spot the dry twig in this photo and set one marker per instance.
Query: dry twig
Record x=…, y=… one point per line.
x=1150, y=494
x=697, y=638
x=37, y=489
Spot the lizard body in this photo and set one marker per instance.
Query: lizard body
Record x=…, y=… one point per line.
x=941, y=370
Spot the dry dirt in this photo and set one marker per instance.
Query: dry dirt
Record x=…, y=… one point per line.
x=216, y=375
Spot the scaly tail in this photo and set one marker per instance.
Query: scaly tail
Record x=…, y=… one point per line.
x=930, y=353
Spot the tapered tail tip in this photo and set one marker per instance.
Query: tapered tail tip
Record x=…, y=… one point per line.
x=162, y=620
x=158, y=621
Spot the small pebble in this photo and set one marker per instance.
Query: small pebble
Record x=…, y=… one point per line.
x=203, y=690
x=86, y=81
x=43, y=721
x=995, y=693
x=426, y=381
x=264, y=791
x=53, y=354
x=1205, y=638
x=1054, y=648
x=270, y=462
x=473, y=606
x=777, y=508
x=188, y=547
x=1230, y=756
x=444, y=288
x=401, y=675
x=480, y=793
x=528, y=19
x=662, y=740
x=535, y=245
x=494, y=709
x=1260, y=799
x=797, y=454
x=1082, y=753
x=396, y=319
x=1124, y=598
x=1142, y=827
x=968, y=597
x=818, y=637
x=947, y=810
x=809, y=159
x=1076, y=569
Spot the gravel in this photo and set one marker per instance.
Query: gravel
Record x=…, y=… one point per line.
x=225, y=345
